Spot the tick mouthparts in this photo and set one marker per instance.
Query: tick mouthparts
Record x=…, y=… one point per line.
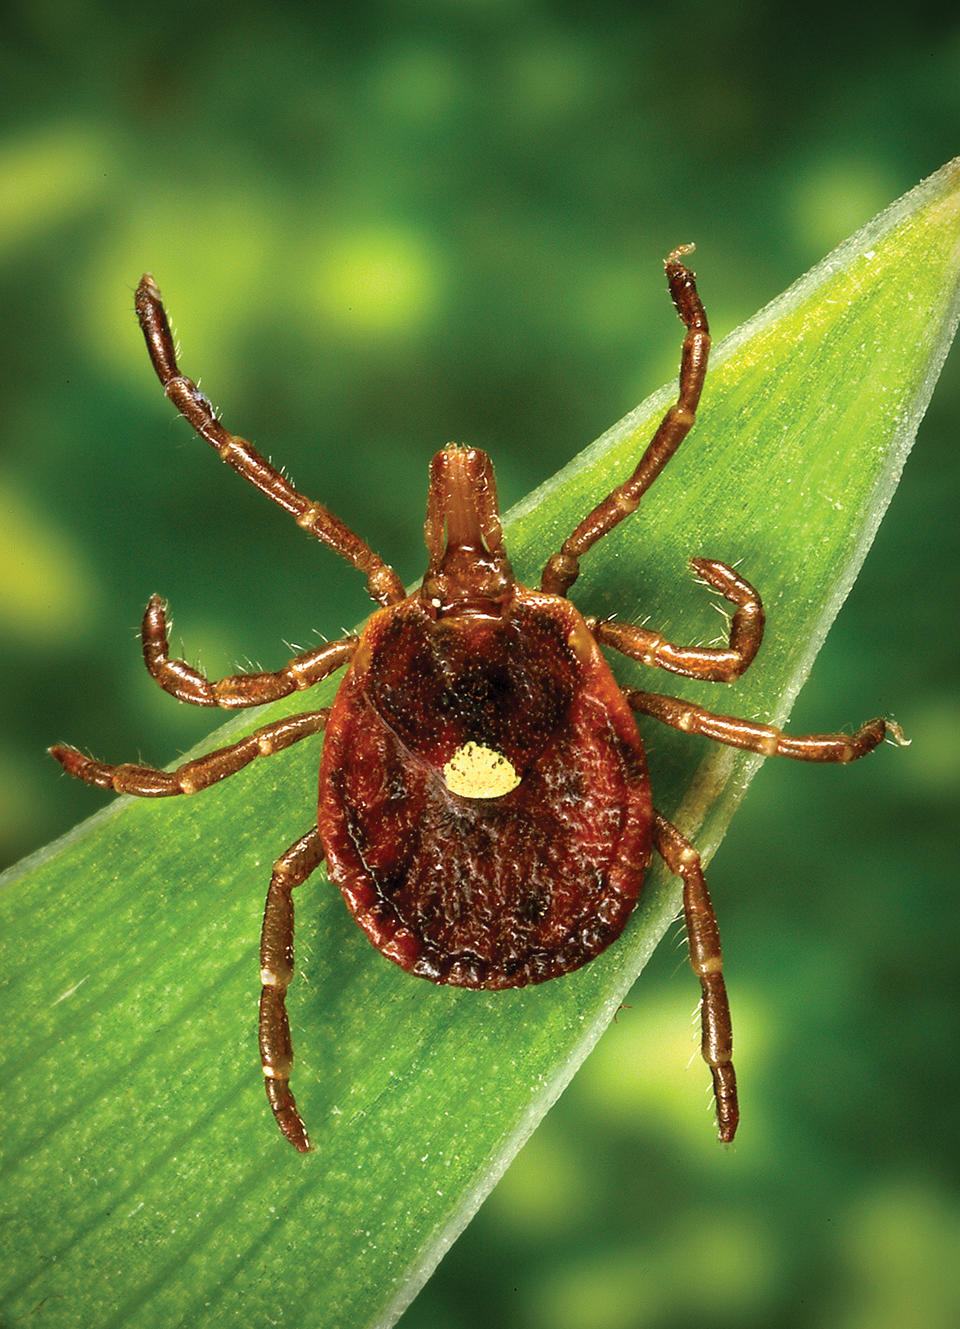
x=469, y=572
x=463, y=500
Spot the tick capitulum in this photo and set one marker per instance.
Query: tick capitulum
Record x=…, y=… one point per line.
x=484, y=802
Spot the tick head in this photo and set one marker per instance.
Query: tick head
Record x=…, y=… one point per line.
x=469, y=574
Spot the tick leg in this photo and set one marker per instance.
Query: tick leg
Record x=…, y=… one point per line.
x=382, y=582
x=718, y=666
x=763, y=738
x=188, y=684
x=276, y=971
x=192, y=776
x=563, y=568
x=703, y=935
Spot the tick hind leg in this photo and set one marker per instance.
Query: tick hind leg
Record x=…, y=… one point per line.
x=276, y=971
x=703, y=935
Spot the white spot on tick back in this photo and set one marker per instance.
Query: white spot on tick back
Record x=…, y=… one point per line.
x=478, y=772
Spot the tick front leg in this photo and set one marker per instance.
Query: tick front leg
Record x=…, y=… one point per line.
x=276, y=971
x=563, y=568
x=188, y=684
x=703, y=935
x=382, y=582
x=762, y=738
x=192, y=776
x=717, y=666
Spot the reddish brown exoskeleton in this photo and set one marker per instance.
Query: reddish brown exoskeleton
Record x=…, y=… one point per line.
x=484, y=806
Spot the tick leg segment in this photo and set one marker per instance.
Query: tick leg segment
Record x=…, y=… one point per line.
x=276, y=971
x=763, y=738
x=717, y=666
x=382, y=582
x=563, y=568
x=192, y=776
x=703, y=935
x=188, y=684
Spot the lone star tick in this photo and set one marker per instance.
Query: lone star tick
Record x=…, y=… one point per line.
x=484, y=802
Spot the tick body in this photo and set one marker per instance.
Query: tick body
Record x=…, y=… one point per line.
x=484, y=802
x=468, y=846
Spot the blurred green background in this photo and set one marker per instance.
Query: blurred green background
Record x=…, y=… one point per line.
x=384, y=226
